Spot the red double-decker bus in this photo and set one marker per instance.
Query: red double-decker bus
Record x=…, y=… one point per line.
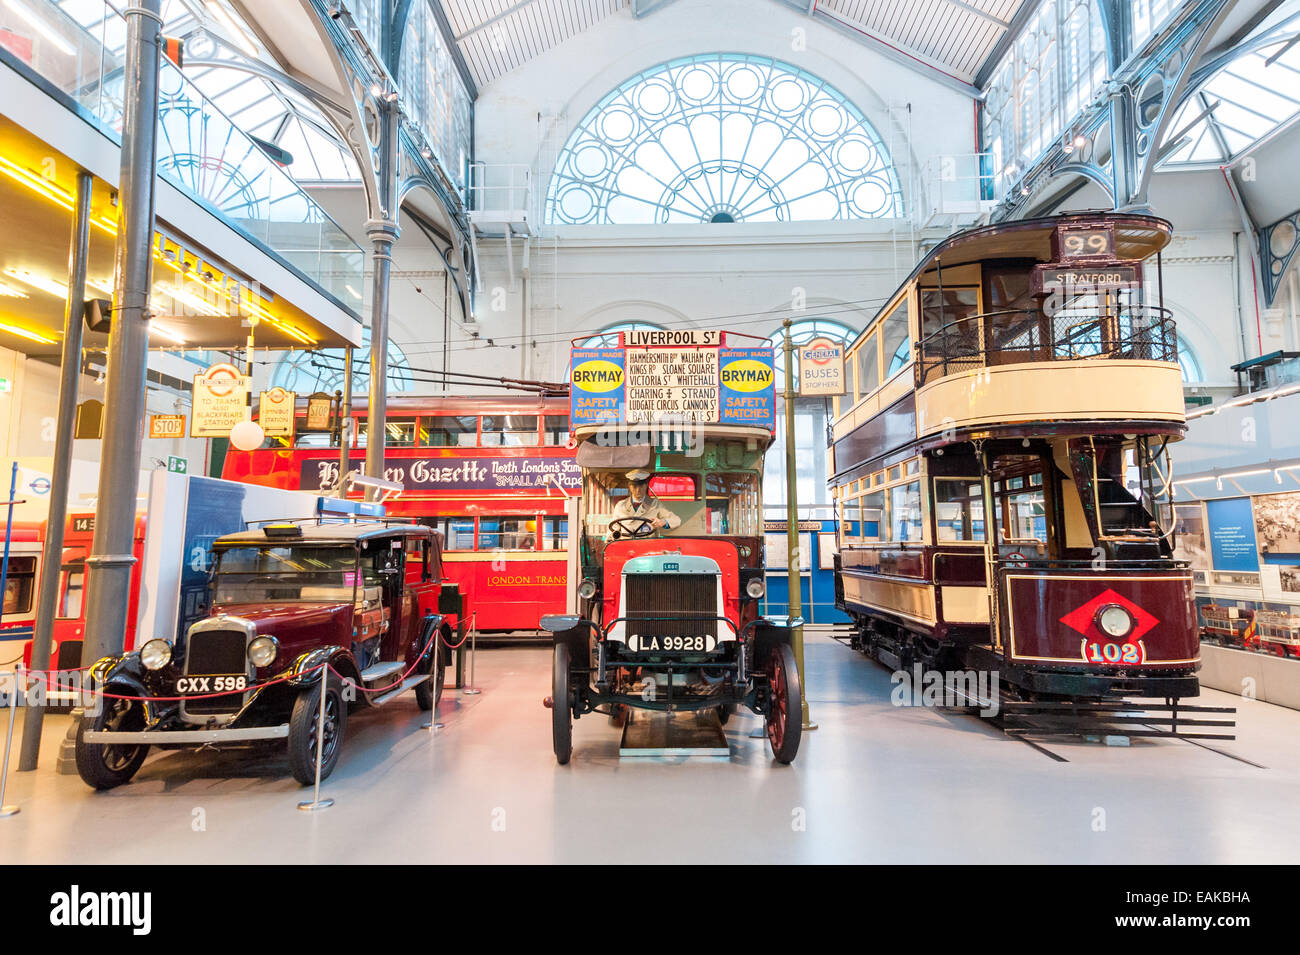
x=492, y=474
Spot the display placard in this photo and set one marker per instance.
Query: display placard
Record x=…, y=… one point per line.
x=167, y=426
x=275, y=413
x=1232, y=535
x=220, y=401
x=821, y=367
x=320, y=412
x=675, y=384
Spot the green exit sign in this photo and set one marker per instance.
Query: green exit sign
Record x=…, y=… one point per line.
x=177, y=465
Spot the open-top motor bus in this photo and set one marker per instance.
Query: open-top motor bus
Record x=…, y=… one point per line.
x=490, y=473
x=665, y=593
x=1001, y=468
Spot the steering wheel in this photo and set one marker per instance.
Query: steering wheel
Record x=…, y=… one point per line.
x=645, y=528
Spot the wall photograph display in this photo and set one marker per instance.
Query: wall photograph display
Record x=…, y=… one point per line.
x=1277, y=523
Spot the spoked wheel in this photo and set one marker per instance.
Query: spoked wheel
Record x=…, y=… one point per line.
x=304, y=727
x=562, y=706
x=785, y=705
x=106, y=765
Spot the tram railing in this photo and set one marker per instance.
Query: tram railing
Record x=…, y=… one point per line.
x=1017, y=336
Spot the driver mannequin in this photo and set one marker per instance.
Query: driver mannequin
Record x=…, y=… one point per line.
x=641, y=503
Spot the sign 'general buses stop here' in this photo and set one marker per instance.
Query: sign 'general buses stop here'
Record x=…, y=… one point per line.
x=691, y=376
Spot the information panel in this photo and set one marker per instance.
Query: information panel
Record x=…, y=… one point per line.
x=1232, y=535
x=672, y=378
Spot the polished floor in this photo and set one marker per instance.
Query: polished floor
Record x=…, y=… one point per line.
x=875, y=783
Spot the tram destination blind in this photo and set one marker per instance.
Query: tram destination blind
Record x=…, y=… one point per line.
x=673, y=384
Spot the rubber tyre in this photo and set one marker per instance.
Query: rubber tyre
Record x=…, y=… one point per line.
x=302, y=732
x=107, y=766
x=785, y=707
x=426, y=696
x=724, y=713
x=561, y=706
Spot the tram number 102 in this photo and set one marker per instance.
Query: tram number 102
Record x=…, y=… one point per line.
x=1114, y=652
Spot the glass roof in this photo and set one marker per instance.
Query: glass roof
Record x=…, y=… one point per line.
x=1254, y=97
x=222, y=58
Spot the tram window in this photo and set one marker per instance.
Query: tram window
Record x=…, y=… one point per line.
x=72, y=590
x=851, y=520
x=895, y=345
x=449, y=431
x=509, y=431
x=507, y=533
x=19, y=585
x=1023, y=516
x=674, y=487
x=314, y=439
x=399, y=433
x=457, y=532
x=873, y=516
x=555, y=533
x=733, y=503
x=868, y=365
x=555, y=430
x=905, y=512
x=958, y=509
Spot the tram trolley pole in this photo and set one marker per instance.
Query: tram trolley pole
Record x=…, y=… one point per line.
x=794, y=560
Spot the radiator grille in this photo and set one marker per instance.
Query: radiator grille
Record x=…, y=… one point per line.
x=219, y=653
x=690, y=601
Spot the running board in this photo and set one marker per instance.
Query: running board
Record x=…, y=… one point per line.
x=373, y=674
x=409, y=683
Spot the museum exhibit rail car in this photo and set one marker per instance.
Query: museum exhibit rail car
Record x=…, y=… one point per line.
x=671, y=429
x=490, y=473
x=1000, y=467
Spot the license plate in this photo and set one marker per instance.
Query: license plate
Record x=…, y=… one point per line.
x=211, y=684
x=698, y=643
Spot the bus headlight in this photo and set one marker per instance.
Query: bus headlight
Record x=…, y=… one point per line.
x=1114, y=620
x=756, y=587
x=156, y=654
x=587, y=589
x=263, y=650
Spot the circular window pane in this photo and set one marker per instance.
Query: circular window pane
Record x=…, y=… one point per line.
x=576, y=203
x=590, y=161
x=826, y=121
x=1282, y=240
x=617, y=125
x=697, y=84
x=742, y=83
x=787, y=96
x=654, y=99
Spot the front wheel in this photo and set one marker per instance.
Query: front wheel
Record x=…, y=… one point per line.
x=785, y=704
x=108, y=765
x=429, y=693
x=561, y=706
x=304, y=729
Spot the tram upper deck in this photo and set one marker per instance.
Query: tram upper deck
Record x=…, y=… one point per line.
x=1045, y=323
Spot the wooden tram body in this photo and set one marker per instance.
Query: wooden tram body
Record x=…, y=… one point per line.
x=1025, y=371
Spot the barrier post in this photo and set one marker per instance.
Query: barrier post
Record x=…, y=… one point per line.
x=5, y=809
x=433, y=725
x=472, y=689
x=316, y=801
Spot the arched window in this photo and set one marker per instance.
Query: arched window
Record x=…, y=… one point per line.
x=608, y=336
x=1188, y=362
x=802, y=332
x=723, y=137
x=306, y=372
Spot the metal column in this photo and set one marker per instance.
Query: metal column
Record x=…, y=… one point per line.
x=383, y=232
x=345, y=424
x=108, y=569
x=69, y=373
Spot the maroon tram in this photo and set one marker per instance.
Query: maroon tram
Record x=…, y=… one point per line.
x=1001, y=470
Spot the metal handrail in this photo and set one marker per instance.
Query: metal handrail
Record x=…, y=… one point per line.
x=1133, y=332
